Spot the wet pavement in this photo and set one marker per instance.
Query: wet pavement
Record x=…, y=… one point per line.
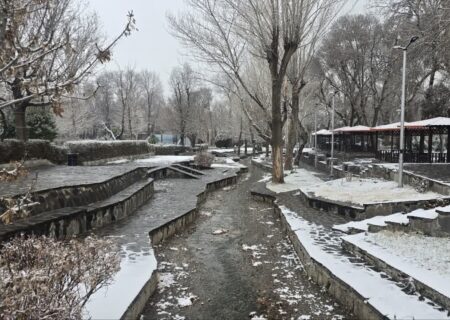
x=235, y=262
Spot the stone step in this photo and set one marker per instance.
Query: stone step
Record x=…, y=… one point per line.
x=188, y=169
x=422, y=286
x=183, y=172
x=70, y=221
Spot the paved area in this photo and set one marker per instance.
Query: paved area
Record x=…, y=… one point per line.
x=235, y=263
x=60, y=176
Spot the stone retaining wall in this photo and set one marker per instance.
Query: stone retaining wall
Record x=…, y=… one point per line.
x=81, y=219
x=80, y=195
x=319, y=274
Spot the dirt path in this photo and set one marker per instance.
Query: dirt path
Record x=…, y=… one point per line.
x=248, y=271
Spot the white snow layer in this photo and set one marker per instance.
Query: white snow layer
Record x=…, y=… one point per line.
x=364, y=191
x=112, y=301
x=295, y=180
x=165, y=159
x=426, y=259
x=381, y=293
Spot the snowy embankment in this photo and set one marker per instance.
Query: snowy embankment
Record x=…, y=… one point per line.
x=381, y=221
x=379, y=293
x=364, y=191
x=426, y=259
x=111, y=302
x=294, y=180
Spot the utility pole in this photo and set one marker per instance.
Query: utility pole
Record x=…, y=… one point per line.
x=332, y=134
x=315, y=136
x=402, y=113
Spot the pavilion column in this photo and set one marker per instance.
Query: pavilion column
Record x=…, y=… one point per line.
x=448, y=144
x=422, y=142
x=430, y=145
x=375, y=145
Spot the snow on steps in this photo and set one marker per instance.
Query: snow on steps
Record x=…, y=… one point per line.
x=381, y=297
x=409, y=258
x=433, y=222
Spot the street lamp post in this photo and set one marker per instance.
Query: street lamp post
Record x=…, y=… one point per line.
x=315, y=136
x=402, y=113
x=332, y=135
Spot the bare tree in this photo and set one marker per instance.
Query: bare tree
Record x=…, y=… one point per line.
x=183, y=84
x=229, y=32
x=153, y=92
x=48, y=47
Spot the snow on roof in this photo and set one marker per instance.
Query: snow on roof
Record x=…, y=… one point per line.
x=353, y=129
x=433, y=122
x=323, y=132
x=388, y=127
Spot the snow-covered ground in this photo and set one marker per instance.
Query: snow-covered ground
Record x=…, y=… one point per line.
x=165, y=159
x=112, y=301
x=296, y=179
x=381, y=293
x=226, y=163
x=426, y=259
x=400, y=218
x=363, y=191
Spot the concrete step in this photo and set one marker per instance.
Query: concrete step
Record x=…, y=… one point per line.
x=188, y=169
x=423, y=280
x=70, y=221
x=183, y=172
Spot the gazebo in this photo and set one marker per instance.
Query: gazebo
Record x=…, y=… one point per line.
x=323, y=139
x=353, y=139
x=420, y=145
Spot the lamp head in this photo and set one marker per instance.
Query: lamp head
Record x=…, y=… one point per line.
x=414, y=39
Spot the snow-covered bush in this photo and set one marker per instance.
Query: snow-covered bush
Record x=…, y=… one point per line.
x=204, y=160
x=41, y=278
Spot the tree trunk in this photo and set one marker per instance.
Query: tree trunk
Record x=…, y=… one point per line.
x=277, y=133
x=239, y=139
x=20, y=122
x=292, y=129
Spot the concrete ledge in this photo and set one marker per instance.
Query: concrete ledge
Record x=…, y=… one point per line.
x=396, y=274
x=369, y=210
x=319, y=274
x=262, y=166
x=134, y=310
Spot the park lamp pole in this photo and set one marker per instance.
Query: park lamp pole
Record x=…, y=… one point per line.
x=332, y=134
x=315, y=136
x=402, y=112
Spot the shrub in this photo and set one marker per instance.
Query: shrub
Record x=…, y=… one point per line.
x=153, y=139
x=204, y=159
x=41, y=278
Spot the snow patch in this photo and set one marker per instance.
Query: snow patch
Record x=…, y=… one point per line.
x=294, y=181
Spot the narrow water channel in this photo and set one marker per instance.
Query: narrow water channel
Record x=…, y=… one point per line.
x=235, y=262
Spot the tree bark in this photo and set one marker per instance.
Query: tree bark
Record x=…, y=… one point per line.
x=20, y=122
x=277, y=133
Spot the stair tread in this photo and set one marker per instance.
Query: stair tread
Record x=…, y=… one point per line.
x=183, y=172
x=188, y=169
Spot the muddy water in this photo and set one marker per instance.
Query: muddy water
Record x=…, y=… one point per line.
x=235, y=263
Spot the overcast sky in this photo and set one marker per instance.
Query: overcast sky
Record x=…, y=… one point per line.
x=152, y=47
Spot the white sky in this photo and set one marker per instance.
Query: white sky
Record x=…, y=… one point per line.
x=152, y=47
